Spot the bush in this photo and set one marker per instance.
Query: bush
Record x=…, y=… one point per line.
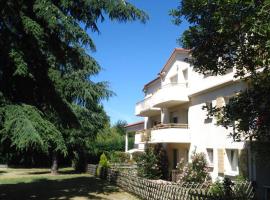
x=147, y=165
x=217, y=188
x=137, y=155
x=119, y=157
x=162, y=161
x=103, y=166
x=194, y=172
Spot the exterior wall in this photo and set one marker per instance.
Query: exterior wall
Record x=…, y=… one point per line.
x=203, y=133
x=206, y=134
x=151, y=89
x=176, y=69
x=182, y=149
x=181, y=112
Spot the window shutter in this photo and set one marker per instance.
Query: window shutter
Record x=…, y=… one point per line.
x=221, y=161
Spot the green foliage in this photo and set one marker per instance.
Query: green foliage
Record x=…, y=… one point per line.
x=108, y=139
x=148, y=165
x=120, y=127
x=119, y=157
x=24, y=128
x=226, y=189
x=136, y=156
x=46, y=72
x=226, y=34
x=162, y=161
x=103, y=162
x=194, y=172
x=217, y=188
x=103, y=165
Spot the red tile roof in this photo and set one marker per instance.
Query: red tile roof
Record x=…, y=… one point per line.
x=135, y=124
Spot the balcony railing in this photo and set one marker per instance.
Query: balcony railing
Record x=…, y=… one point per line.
x=146, y=134
x=171, y=94
x=171, y=125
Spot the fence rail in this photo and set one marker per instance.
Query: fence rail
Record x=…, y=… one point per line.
x=153, y=190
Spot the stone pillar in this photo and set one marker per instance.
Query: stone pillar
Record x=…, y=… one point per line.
x=165, y=116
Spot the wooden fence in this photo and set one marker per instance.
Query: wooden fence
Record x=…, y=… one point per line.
x=155, y=190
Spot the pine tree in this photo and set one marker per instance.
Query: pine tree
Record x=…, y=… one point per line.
x=48, y=100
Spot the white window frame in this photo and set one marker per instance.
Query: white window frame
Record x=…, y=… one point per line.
x=232, y=162
x=210, y=157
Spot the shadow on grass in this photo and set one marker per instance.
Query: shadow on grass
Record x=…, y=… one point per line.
x=57, y=189
x=38, y=173
x=63, y=172
x=2, y=172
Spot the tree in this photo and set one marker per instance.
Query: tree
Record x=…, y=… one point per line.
x=148, y=165
x=120, y=126
x=226, y=34
x=48, y=100
x=162, y=161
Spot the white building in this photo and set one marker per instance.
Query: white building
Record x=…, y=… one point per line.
x=172, y=109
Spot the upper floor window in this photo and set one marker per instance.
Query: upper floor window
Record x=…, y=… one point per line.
x=210, y=154
x=185, y=74
x=175, y=120
x=174, y=79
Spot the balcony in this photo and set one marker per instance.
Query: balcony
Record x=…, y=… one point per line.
x=145, y=108
x=166, y=133
x=170, y=95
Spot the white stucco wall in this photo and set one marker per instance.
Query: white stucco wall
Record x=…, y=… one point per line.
x=199, y=89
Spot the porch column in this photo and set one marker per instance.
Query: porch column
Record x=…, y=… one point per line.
x=165, y=116
x=147, y=123
x=126, y=142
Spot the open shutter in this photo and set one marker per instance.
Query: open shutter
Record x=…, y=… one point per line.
x=221, y=161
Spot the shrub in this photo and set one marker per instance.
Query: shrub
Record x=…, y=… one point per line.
x=147, y=165
x=137, y=155
x=162, y=161
x=103, y=166
x=226, y=189
x=119, y=157
x=217, y=188
x=194, y=172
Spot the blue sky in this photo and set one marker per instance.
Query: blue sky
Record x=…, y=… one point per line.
x=131, y=54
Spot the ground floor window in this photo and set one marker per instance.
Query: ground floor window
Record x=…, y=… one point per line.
x=232, y=155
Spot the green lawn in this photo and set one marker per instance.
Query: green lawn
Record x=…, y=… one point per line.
x=27, y=184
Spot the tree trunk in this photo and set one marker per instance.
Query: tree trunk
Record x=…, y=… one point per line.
x=54, y=167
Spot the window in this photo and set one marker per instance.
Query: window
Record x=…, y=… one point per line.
x=232, y=155
x=174, y=79
x=210, y=154
x=185, y=74
x=175, y=120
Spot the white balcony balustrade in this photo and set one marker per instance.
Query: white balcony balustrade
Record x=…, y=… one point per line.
x=145, y=107
x=166, y=133
x=170, y=95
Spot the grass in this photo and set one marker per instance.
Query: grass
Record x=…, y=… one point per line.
x=27, y=184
